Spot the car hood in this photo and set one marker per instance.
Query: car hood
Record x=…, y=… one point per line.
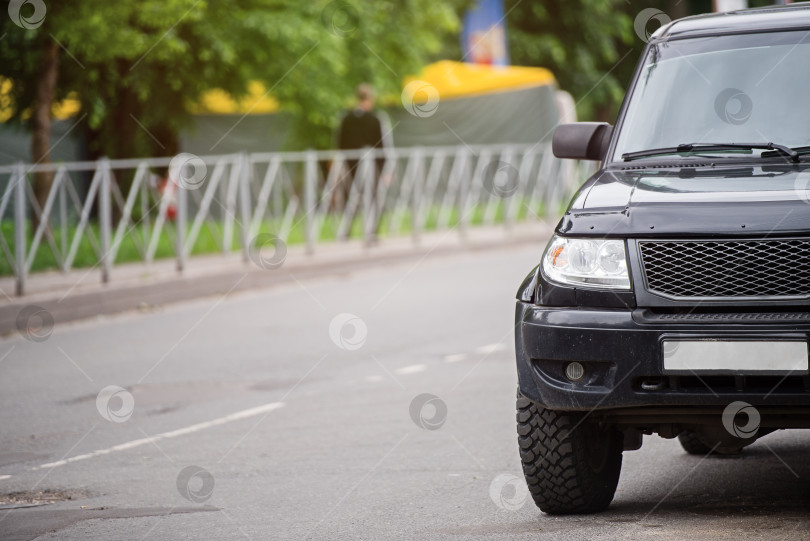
x=692, y=201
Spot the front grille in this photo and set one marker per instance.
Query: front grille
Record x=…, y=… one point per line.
x=727, y=268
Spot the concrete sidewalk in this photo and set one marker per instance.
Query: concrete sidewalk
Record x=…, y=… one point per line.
x=80, y=294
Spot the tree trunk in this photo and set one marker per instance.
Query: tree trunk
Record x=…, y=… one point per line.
x=41, y=138
x=677, y=9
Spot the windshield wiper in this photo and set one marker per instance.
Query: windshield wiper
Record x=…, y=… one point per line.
x=799, y=150
x=712, y=147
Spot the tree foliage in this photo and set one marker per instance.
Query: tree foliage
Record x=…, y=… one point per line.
x=583, y=42
x=138, y=65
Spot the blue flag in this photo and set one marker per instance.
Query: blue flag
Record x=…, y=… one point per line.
x=483, y=38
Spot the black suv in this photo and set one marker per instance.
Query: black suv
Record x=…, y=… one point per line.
x=674, y=297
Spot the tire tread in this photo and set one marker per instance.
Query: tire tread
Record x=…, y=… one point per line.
x=555, y=462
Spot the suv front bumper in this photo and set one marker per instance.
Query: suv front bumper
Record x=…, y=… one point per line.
x=622, y=353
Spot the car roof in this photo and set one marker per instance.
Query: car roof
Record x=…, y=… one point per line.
x=784, y=17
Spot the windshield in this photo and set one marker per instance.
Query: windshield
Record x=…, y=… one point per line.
x=728, y=89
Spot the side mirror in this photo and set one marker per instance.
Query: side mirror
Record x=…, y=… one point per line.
x=582, y=140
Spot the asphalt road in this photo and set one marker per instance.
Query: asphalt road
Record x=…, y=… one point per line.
x=245, y=417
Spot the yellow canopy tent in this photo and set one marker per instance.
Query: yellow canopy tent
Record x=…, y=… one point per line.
x=458, y=79
x=451, y=103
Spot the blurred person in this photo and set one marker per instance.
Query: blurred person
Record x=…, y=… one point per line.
x=364, y=127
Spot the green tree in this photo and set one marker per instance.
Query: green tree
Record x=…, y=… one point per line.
x=379, y=42
x=55, y=48
x=137, y=65
x=583, y=42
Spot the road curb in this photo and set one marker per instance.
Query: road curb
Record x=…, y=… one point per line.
x=113, y=299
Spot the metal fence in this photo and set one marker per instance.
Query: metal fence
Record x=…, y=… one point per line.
x=105, y=212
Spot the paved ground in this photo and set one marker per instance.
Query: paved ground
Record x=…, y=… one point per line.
x=249, y=420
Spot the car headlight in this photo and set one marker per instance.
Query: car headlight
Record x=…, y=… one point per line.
x=594, y=263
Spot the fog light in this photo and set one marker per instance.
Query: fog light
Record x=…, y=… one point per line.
x=574, y=371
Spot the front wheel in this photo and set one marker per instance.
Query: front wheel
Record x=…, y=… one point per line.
x=571, y=465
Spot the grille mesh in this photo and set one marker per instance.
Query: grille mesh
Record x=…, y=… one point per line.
x=733, y=268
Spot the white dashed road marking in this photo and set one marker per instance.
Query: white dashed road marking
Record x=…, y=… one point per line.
x=490, y=348
x=412, y=369
x=244, y=414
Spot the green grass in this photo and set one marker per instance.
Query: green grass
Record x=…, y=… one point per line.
x=208, y=241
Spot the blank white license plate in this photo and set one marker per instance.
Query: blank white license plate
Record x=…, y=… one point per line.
x=738, y=356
